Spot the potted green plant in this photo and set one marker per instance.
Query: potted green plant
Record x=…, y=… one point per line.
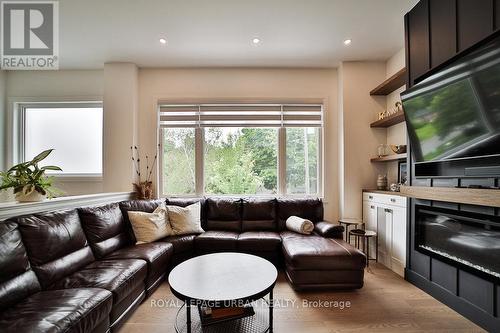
x=28, y=180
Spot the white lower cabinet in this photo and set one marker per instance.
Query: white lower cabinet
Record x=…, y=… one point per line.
x=386, y=214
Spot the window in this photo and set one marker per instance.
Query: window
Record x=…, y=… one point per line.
x=241, y=149
x=73, y=130
x=179, y=162
x=302, y=163
x=241, y=160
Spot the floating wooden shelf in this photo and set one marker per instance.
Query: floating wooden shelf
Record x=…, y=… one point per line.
x=391, y=84
x=393, y=119
x=470, y=196
x=388, y=158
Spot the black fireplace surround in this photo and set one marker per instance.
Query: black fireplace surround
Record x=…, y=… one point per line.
x=468, y=239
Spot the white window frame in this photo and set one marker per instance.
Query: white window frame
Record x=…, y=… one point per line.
x=20, y=135
x=281, y=172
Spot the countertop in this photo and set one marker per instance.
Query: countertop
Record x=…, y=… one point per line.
x=385, y=192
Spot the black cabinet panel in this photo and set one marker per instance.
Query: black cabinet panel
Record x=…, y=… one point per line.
x=435, y=31
x=487, y=182
x=445, y=182
x=476, y=290
x=420, y=264
x=443, y=30
x=498, y=298
x=444, y=275
x=477, y=209
x=475, y=21
x=418, y=43
x=497, y=14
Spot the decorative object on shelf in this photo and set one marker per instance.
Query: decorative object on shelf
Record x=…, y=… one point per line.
x=394, y=187
x=143, y=188
x=29, y=181
x=398, y=149
x=382, y=150
x=382, y=182
x=398, y=107
x=402, y=173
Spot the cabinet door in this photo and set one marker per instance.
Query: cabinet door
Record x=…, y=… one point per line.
x=370, y=220
x=384, y=222
x=398, y=238
x=475, y=21
x=497, y=16
x=371, y=216
x=443, y=30
x=418, y=40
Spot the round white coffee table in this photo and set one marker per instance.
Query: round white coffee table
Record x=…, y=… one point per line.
x=223, y=279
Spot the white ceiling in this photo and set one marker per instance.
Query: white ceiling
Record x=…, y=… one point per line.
x=205, y=33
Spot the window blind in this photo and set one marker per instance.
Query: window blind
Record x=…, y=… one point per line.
x=241, y=115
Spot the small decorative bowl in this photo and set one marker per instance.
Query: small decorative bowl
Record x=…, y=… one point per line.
x=398, y=149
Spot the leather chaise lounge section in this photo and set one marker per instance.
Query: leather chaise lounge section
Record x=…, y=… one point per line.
x=80, y=270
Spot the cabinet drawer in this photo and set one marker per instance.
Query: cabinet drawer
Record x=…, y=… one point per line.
x=385, y=199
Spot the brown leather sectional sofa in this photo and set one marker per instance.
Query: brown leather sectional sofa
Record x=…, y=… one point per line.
x=79, y=270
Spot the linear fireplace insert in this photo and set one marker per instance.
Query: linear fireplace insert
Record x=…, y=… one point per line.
x=469, y=240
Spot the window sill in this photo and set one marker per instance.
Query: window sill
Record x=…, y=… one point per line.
x=11, y=209
x=78, y=177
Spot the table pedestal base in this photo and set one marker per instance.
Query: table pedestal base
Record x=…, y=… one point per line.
x=188, y=320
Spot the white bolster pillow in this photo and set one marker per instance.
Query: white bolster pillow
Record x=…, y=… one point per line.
x=300, y=225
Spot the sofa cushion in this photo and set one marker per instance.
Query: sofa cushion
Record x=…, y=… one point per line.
x=105, y=228
x=69, y=310
x=17, y=280
x=147, y=206
x=56, y=244
x=258, y=214
x=307, y=208
x=215, y=241
x=318, y=253
x=223, y=214
x=181, y=243
x=157, y=255
x=289, y=234
x=149, y=227
x=329, y=230
x=184, y=202
x=259, y=241
x=185, y=220
x=118, y=276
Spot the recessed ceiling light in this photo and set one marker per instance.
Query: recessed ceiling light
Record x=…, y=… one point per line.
x=163, y=41
x=256, y=40
x=347, y=41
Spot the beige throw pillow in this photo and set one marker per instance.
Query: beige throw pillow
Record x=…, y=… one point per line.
x=300, y=225
x=185, y=220
x=149, y=227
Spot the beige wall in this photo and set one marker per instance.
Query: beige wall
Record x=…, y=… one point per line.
x=53, y=86
x=120, y=125
x=131, y=96
x=360, y=142
x=395, y=134
x=242, y=84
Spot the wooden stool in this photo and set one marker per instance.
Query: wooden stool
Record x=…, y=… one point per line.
x=365, y=236
x=348, y=222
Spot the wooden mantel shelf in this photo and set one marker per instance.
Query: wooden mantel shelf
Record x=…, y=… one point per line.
x=471, y=196
x=391, y=84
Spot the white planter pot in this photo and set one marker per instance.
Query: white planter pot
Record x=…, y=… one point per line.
x=32, y=197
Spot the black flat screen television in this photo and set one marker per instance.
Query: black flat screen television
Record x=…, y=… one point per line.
x=455, y=113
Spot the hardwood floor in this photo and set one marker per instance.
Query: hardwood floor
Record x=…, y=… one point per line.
x=387, y=303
